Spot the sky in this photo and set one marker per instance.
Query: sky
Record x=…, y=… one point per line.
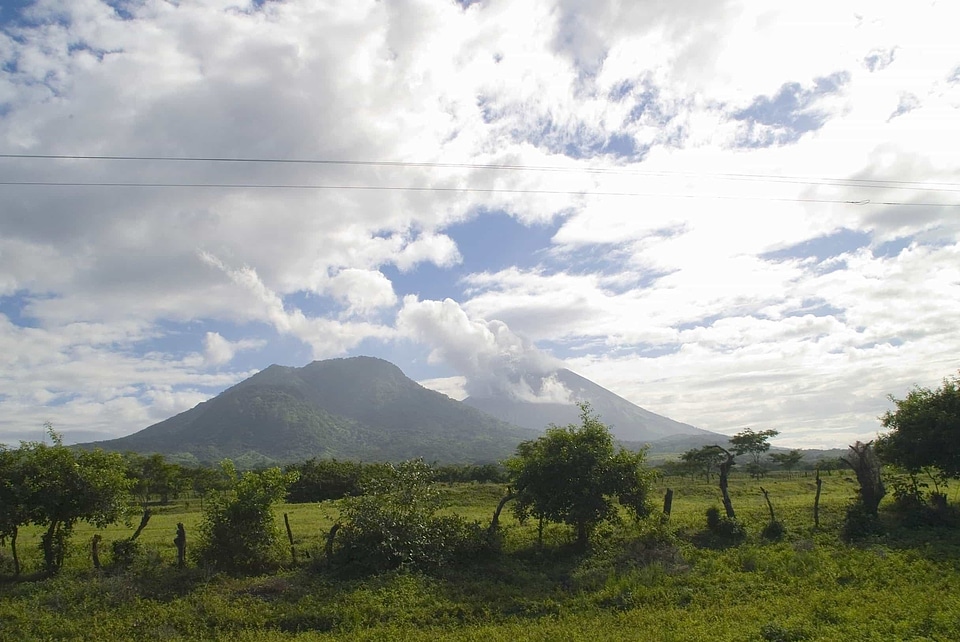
x=735, y=214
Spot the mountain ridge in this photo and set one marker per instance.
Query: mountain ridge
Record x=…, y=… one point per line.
x=628, y=422
x=358, y=408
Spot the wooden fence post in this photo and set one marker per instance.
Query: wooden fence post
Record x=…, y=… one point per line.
x=668, y=502
x=181, y=543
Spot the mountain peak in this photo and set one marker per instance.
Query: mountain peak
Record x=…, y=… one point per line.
x=554, y=401
x=353, y=408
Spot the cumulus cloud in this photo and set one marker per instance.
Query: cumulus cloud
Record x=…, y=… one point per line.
x=671, y=162
x=493, y=359
x=218, y=351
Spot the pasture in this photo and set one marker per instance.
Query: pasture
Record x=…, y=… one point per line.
x=651, y=580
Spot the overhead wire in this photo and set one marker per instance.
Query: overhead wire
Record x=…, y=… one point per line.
x=842, y=182
x=860, y=183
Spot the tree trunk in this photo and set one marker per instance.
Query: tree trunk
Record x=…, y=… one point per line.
x=13, y=551
x=724, y=482
x=330, y=536
x=495, y=522
x=49, y=546
x=582, y=535
x=95, y=550
x=293, y=550
x=143, y=524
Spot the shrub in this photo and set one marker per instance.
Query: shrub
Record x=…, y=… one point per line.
x=724, y=530
x=860, y=522
x=125, y=552
x=394, y=523
x=240, y=533
x=774, y=530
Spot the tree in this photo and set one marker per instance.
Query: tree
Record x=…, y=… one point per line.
x=788, y=461
x=924, y=430
x=753, y=444
x=14, y=507
x=63, y=487
x=705, y=460
x=240, y=533
x=573, y=474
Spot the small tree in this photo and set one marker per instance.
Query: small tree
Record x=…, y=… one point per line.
x=240, y=533
x=573, y=474
x=63, y=486
x=706, y=460
x=14, y=508
x=924, y=430
x=754, y=444
x=787, y=461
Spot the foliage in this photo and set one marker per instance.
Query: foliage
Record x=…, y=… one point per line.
x=924, y=430
x=787, y=460
x=774, y=530
x=153, y=476
x=862, y=458
x=810, y=585
x=860, y=522
x=725, y=531
x=395, y=523
x=61, y=487
x=240, y=533
x=15, y=508
x=320, y=480
x=705, y=460
x=753, y=444
x=572, y=475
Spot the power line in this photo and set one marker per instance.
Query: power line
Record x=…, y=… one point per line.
x=773, y=178
x=481, y=190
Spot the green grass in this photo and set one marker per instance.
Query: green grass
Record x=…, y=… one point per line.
x=638, y=582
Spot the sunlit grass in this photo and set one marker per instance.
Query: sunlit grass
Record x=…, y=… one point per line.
x=640, y=581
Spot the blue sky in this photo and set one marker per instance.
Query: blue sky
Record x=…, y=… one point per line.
x=687, y=203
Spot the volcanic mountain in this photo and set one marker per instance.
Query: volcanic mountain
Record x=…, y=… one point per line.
x=360, y=408
x=627, y=421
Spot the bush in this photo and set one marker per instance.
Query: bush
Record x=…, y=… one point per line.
x=394, y=523
x=773, y=531
x=860, y=523
x=723, y=530
x=240, y=533
x=125, y=552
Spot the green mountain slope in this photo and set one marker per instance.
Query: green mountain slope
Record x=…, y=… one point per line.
x=359, y=408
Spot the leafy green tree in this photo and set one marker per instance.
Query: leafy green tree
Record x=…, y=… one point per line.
x=573, y=474
x=239, y=533
x=15, y=510
x=705, y=460
x=753, y=444
x=789, y=460
x=324, y=479
x=63, y=487
x=924, y=430
x=394, y=522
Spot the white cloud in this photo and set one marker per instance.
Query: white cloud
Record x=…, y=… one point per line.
x=218, y=351
x=676, y=103
x=492, y=358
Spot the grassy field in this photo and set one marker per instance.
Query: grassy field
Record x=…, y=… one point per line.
x=638, y=582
